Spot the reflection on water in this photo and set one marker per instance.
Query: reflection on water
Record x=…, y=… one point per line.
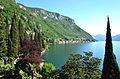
x=59, y=53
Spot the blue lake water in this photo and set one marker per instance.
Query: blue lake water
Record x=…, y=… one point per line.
x=58, y=53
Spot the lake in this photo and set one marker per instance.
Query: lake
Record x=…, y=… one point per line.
x=58, y=54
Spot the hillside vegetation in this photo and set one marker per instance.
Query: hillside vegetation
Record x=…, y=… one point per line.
x=51, y=25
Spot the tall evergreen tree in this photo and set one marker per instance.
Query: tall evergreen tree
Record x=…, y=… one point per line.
x=7, y=37
x=7, y=27
x=43, y=42
x=3, y=46
x=14, y=35
x=21, y=31
x=110, y=66
x=39, y=39
x=36, y=34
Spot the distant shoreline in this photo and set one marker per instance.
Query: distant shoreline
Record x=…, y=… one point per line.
x=73, y=41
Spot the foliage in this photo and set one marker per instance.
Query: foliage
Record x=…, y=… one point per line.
x=22, y=65
x=47, y=71
x=21, y=31
x=3, y=46
x=81, y=67
x=8, y=39
x=47, y=26
x=51, y=25
x=23, y=74
x=26, y=69
x=31, y=58
x=110, y=66
x=14, y=36
x=31, y=51
x=44, y=43
x=7, y=69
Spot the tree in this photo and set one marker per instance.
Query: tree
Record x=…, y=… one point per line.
x=8, y=39
x=47, y=71
x=3, y=46
x=81, y=67
x=7, y=29
x=44, y=42
x=14, y=35
x=39, y=39
x=110, y=66
x=21, y=31
x=31, y=51
x=31, y=57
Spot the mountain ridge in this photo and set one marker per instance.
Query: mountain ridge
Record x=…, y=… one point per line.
x=101, y=37
x=52, y=25
x=116, y=37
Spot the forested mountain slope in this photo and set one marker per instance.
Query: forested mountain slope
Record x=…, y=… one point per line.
x=51, y=25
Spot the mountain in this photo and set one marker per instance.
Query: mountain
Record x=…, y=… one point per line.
x=51, y=25
x=100, y=37
x=116, y=37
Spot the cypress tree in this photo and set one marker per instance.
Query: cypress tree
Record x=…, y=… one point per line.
x=3, y=46
x=8, y=41
x=21, y=31
x=110, y=66
x=7, y=28
x=39, y=39
x=36, y=34
x=14, y=35
x=43, y=42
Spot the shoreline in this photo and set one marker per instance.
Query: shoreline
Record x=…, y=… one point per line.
x=83, y=40
x=44, y=50
x=75, y=41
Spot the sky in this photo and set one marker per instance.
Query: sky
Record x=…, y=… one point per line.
x=90, y=15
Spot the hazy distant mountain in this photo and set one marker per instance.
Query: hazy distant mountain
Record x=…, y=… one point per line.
x=116, y=37
x=100, y=37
